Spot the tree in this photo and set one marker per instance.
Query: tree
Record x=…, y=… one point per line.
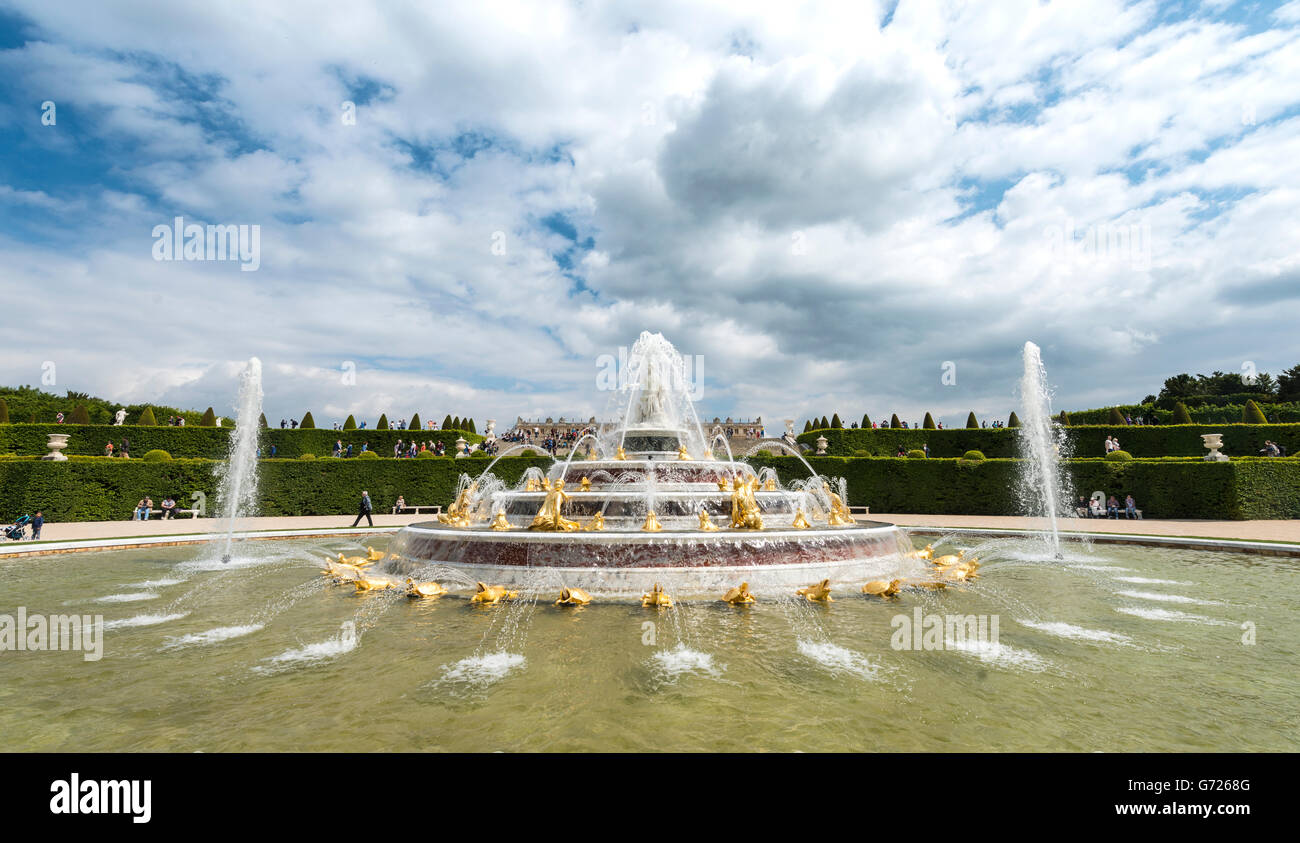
x=866, y=422
x=209, y=418
x=4, y=412
x=807, y=426
x=1064, y=419
x=1115, y=417
x=1150, y=399
x=1179, y=386
x=1251, y=414
x=971, y=421
x=1288, y=384
x=1181, y=416
x=446, y=421
x=80, y=415
x=471, y=427
x=382, y=424
x=825, y=423
x=894, y=422
x=350, y=424
x=835, y=421
x=455, y=422
x=307, y=423
x=1014, y=420
x=261, y=421
x=146, y=418
x=415, y=422
x=928, y=424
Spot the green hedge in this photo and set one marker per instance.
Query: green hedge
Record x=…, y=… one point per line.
x=211, y=443
x=1222, y=409
x=1184, y=440
x=1163, y=488
x=103, y=489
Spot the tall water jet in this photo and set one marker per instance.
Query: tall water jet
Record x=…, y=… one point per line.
x=237, y=476
x=1041, y=477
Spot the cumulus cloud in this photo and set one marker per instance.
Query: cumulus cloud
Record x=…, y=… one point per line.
x=828, y=202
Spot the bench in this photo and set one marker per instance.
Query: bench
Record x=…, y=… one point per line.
x=433, y=510
x=859, y=510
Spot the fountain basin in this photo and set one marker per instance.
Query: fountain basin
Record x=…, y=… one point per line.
x=685, y=562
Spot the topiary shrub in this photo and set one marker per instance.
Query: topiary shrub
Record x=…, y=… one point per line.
x=894, y=422
x=425, y=455
x=367, y=455
x=209, y=418
x=307, y=423
x=261, y=421
x=1119, y=456
x=866, y=422
x=80, y=415
x=1064, y=419
x=446, y=422
x=307, y=456
x=382, y=424
x=861, y=452
x=1181, y=415
x=973, y=456
x=1115, y=417
x=147, y=419
x=807, y=426
x=1251, y=414
x=825, y=423
x=4, y=412
x=414, y=424
x=928, y=424
x=971, y=421
x=156, y=455
x=350, y=424
x=916, y=454
x=835, y=421
x=479, y=453
x=1014, y=421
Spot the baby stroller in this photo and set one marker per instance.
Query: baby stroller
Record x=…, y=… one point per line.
x=16, y=531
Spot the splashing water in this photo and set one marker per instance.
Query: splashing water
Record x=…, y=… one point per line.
x=1040, y=448
x=237, y=490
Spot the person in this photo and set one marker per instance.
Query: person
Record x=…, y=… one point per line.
x=397, y=449
x=349, y=449
x=1109, y=445
x=283, y=424
x=925, y=446
x=1130, y=507
x=37, y=523
x=138, y=515
x=1112, y=507
x=1114, y=443
x=364, y=511
x=400, y=505
x=338, y=447
x=168, y=508
x=124, y=450
x=1082, y=507
x=365, y=446
x=58, y=419
x=108, y=449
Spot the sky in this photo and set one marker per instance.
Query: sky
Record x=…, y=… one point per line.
x=462, y=208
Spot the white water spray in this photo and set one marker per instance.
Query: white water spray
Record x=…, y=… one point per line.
x=1041, y=475
x=237, y=477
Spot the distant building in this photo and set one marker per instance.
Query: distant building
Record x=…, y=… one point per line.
x=737, y=428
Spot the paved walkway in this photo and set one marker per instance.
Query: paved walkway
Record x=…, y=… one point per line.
x=1277, y=531
x=1271, y=531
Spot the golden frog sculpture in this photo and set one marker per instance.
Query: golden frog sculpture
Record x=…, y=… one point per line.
x=656, y=597
x=706, y=523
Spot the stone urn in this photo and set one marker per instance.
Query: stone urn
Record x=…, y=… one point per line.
x=821, y=445
x=460, y=447
x=789, y=427
x=56, y=443
x=1213, y=441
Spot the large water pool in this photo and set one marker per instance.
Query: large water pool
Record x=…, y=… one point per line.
x=1109, y=649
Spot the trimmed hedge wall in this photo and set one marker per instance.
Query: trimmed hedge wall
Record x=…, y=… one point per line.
x=102, y=489
x=209, y=442
x=1183, y=440
x=1163, y=488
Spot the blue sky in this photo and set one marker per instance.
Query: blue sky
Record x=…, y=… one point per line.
x=827, y=203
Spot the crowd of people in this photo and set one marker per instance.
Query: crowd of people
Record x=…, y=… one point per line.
x=1084, y=509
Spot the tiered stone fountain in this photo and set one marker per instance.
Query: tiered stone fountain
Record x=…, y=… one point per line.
x=655, y=504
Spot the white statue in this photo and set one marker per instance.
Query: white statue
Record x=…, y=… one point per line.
x=119, y=418
x=220, y=419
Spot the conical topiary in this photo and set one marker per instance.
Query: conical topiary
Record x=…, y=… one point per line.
x=928, y=423
x=894, y=422
x=825, y=423
x=209, y=418
x=261, y=421
x=1181, y=414
x=415, y=422
x=80, y=415
x=350, y=424
x=307, y=423
x=1251, y=414
x=455, y=422
x=446, y=421
x=382, y=424
x=1064, y=418
x=1014, y=420
x=472, y=428
x=1116, y=417
x=4, y=412
x=146, y=418
x=971, y=421
x=835, y=421
x=807, y=426
x=866, y=421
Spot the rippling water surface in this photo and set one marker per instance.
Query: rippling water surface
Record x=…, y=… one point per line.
x=1109, y=649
